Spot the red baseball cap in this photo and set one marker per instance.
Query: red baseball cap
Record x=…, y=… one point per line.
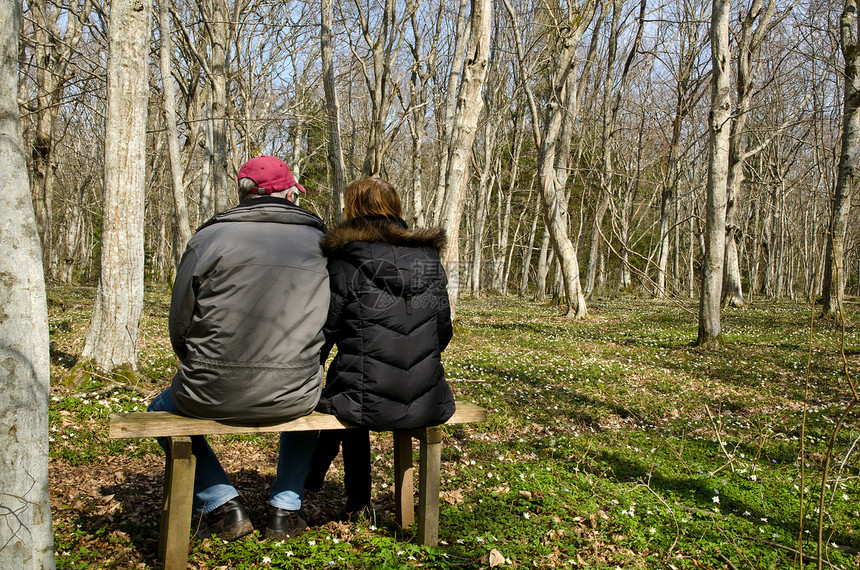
x=270, y=174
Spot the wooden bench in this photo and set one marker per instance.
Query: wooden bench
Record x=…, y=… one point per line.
x=179, y=470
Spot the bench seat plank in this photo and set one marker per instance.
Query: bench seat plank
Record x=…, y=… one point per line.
x=168, y=424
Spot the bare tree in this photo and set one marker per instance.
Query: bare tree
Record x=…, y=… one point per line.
x=335, y=153
x=182, y=227
x=53, y=51
x=834, y=270
x=751, y=38
x=111, y=340
x=719, y=127
x=553, y=162
x=26, y=535
x=469, y=104
x=448, y=108
x=688, y=83
x=611, y=103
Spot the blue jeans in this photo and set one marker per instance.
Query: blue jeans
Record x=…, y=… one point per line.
x=212, y=487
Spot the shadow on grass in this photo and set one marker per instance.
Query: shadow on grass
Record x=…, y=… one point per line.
x=698, y=495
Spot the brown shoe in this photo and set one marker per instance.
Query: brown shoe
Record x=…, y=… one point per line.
x=228, y=522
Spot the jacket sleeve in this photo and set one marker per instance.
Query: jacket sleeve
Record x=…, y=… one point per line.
x=444, y=328
x=332, y=326
x=182, y=304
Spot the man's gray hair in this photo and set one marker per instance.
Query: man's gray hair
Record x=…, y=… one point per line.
x=247, y=187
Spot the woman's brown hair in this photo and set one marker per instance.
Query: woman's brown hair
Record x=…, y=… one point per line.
x=371, y=196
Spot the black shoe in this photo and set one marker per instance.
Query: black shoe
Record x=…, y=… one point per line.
x=284, y=524
x=228, y=522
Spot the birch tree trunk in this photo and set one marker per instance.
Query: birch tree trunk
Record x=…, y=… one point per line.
x=111, y=339
x=219, y=29
x=418, y=98
x=26, y=534
x=719, y=125
x=469, y=105
x=527, y=256
x=182, y=226
x=446, y=122
x=750, y=41
x=546, y=132
x=482, y=208
x=833, y=294
x=335, y=152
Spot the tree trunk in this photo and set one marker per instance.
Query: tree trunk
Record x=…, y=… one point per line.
x=418, y=98
x=207, y=207
x=469, y=107
x=53, y=50
x=111, y=339
x=552, y=164
x=605, y=192
x=446, y=121
x=225, y=192
x=719, y=124
x=500, y=267
x=687, y=91
x=833, y=294
x=25, y=520
x=485, y=187
x=335, y=153
x=544, y=256
x=527, y=256
x=750, y=41
x=182, y=226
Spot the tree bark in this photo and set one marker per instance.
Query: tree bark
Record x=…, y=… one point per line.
x=111, y=339
x=750, y=41
x=219, y=29
x=469, y=105
x=26, y=533
x=719, y=124
x=446, y=121
x=527, y=256
x=182, y=226
x=335, y=152
x=833, y=294
x=546, y=133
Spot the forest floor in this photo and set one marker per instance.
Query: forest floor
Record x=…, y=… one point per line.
x=612, y=443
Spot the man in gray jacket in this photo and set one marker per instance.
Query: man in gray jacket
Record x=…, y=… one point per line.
x=249, y=302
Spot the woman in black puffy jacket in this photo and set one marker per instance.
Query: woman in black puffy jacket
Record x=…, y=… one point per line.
x=390, y=319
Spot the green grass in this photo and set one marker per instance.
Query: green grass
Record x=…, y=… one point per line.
x=612, y=442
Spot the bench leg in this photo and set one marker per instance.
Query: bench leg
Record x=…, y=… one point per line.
x=429, y=465
x=176, y=508
x=403, y=485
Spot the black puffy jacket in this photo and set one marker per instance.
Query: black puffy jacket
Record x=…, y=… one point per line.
x=390, y=318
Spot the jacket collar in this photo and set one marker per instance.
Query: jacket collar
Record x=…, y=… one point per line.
x=267, y=209
x=381, y=229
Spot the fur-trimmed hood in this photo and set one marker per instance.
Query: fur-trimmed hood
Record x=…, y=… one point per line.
x=385, y=229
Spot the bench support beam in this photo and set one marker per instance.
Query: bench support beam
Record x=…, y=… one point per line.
x=403, y=486
x=176, y=507
x=429, y=465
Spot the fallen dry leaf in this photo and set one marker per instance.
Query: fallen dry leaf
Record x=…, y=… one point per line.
x=496, y=558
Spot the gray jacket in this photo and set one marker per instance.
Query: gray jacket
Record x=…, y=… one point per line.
x=249, y=302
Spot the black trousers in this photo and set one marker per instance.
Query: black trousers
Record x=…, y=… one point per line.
x=355, y=444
